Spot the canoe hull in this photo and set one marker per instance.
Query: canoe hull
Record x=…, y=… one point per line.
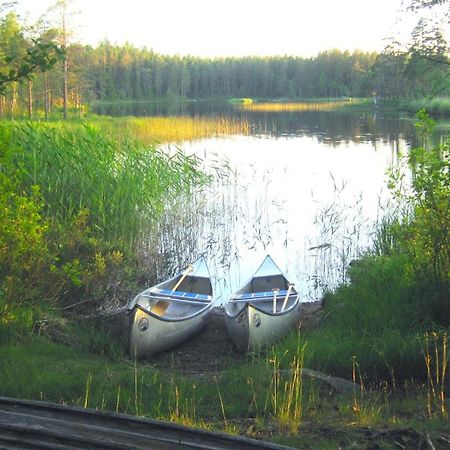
x=264, y=310
x=170, y=312
x=252, y=328
x=158, y=335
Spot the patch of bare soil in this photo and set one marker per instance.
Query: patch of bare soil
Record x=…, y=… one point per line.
x=211, y=350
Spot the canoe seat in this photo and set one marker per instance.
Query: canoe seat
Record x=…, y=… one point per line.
x=268, y=295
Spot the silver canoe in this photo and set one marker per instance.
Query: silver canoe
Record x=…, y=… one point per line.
x=168, y=313
x=265, y=309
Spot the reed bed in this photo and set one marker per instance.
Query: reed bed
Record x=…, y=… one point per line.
x=120, y=189
x=294, y=106
x=436, y=106
x=154, y=130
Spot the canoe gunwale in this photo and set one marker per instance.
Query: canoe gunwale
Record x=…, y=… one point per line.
x=172, y=319
x=279, y=313
x=179, y=299
x=248, y=304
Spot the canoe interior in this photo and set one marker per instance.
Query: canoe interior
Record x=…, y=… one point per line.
x=261, y=288
x=265, y=284
x=234, y=308
x=199, y=285
x=192, y=295
x=170, y=309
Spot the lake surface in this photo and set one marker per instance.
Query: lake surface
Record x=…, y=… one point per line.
x=304, y=187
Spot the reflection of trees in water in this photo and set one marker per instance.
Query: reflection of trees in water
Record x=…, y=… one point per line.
x=330, y=127
x=235, y=218
x=335, y=127
x=143, y=109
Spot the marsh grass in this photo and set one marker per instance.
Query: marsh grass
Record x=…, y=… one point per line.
x=436, y=361
x=54, y=372
x=366, y=405
x=435, y=106
x=157, y=130
x=120, y=187
x=294, y=106
x=261, y=394
x=287, y=392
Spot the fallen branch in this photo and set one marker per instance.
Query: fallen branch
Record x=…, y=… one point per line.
x=340, y=384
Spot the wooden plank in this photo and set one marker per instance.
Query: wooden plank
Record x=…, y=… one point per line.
x=42, y=424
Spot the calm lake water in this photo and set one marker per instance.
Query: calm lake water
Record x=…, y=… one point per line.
x=304, y=187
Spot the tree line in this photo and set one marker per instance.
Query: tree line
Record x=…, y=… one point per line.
x=123, y=72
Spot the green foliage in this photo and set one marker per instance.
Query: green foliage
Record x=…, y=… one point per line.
x=74, y=208
x=111, y=72
x=376, y=318
x=24, y=250
x=424, y=235
x=20, y=60
x=437, y=106
x=121, y=190
x=41, y=56
x=400, y=291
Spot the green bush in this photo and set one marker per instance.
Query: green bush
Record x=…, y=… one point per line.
x=424, y=234
x=24, y=251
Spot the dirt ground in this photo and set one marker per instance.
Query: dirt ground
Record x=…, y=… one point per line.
x=211, y=350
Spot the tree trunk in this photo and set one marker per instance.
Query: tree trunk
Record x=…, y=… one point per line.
x=2, y=105
x=47, y=97
x=30, y=99
x=14, y=98
x=65, y=88
x=78, y=100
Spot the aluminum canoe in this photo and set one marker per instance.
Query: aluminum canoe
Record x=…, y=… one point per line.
x=264, y=310
x=170, y=312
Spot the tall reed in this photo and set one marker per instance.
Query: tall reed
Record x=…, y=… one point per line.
x=294, y=106
x=286, y=391
x=155, y=130
x=367, y=406
x=436, y=362
x=120, y=188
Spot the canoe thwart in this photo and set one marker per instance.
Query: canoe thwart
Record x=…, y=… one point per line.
x=167, y=294
x=261, y=299
x=252, y=295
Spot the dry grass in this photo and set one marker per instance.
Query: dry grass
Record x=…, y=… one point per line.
x=154, y=130
x=294, y=106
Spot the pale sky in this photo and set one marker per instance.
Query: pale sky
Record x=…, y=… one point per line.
x=210, y=28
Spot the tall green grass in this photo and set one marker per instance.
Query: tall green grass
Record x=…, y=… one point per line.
x=79, y=210
x=44, y=370
x=262, y=395
x=123, y=188
x=377, y=319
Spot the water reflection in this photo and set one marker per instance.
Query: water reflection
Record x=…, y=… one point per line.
x=335, y=127
x=308, y=204
x=330, y=127
x=305, y=187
